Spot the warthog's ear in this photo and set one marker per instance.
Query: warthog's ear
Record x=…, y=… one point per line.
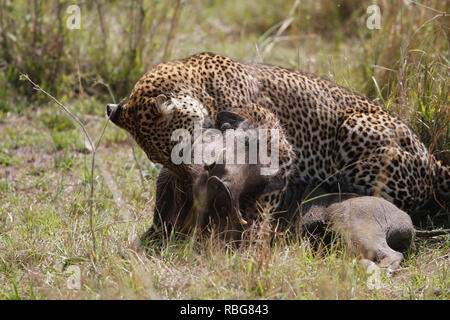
x=222, y=200
x=221, y=197
x=230, y=120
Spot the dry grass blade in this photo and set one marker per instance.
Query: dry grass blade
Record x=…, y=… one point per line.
x=171, y=33
x=130, y=141
x=284, y=25
x=93, y=148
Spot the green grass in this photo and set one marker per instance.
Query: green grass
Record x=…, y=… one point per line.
x=45, y=165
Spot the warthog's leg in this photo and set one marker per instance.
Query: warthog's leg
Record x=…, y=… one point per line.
x=375, y=227
x=173, y=202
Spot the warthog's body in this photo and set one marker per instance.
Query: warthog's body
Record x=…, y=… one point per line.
x=373, y=226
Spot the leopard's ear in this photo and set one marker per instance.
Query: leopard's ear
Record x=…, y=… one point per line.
x=159, y=103
x=163, y=108
x=230, y=120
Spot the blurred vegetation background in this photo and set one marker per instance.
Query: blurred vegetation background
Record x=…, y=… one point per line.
x=404, y=65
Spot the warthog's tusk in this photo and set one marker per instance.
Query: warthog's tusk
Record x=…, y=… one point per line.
x=239, y=217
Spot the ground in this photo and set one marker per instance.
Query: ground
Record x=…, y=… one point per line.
x=45, y=238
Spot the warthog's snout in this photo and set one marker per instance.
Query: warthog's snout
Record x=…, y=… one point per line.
x=223, y=200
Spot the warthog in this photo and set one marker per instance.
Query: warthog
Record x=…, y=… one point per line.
x=226, y=195
x=372, y=226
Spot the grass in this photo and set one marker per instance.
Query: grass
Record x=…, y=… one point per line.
x=45, y=164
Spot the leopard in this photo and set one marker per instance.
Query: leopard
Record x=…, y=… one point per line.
x=336, y=134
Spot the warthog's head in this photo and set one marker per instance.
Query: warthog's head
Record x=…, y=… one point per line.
x=226, y=189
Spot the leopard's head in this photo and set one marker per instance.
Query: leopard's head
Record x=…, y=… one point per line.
x=153, y=113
